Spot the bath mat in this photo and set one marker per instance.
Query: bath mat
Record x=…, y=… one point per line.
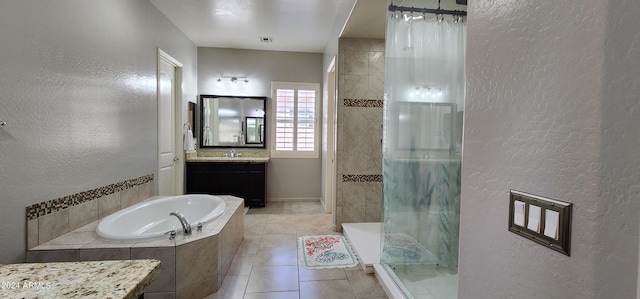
x=402, y=249
x=325, y=251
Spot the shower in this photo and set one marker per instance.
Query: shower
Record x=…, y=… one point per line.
x=422, y=149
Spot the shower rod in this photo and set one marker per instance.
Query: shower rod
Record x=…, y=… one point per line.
x=427, y=10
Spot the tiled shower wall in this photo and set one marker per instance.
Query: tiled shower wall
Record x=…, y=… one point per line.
x=359, y=134
x=51, y=219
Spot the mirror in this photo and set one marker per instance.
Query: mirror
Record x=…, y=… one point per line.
x=255, y=129
x=425, y=126
x=232, y=121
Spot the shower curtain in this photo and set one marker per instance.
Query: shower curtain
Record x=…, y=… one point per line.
x=424, y=103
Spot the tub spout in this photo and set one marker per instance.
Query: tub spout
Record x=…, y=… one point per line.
x=186, y=227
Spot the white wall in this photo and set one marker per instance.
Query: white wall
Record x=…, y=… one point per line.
x=552, y=109
x=78, y=91
x=331, y=52
x=287, y=179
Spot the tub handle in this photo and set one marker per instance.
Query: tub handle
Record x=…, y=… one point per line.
x=200, y=225
x=172, y=234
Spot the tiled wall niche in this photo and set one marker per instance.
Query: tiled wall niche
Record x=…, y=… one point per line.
x=359, y=134
x=53, y=218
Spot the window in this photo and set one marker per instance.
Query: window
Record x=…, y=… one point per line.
x=295, y=133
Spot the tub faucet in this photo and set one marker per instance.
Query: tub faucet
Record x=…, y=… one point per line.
x=186, y=227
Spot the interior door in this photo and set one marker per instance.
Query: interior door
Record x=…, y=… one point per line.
x=166, y=129
x=330, y=141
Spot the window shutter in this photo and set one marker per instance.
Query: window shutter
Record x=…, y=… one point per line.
x=296, y=129
x=306, y=120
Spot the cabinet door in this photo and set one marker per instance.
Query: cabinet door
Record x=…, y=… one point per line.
x=196, y=180
x=256, y=189
x=227, y=181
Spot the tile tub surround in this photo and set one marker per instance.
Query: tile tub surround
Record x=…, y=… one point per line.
x=109, y=279
x=192, y=266
x=51, y=219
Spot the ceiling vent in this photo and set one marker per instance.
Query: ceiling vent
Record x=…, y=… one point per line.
x=265, y=39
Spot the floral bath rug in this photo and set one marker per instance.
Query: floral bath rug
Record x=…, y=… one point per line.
x=402, y=249
x=325, y=251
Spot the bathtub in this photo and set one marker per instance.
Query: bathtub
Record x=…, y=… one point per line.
x=151, y=219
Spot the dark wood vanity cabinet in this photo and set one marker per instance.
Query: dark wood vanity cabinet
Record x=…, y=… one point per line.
x=247, y=180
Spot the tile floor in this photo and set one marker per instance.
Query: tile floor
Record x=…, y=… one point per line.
x=266, y=265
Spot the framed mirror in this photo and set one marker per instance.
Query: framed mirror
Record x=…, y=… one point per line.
x=232, y=121
x=254, y=126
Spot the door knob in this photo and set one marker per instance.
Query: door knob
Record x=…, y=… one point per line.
x=175, y=159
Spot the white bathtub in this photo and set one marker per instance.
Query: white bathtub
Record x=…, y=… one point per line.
x=150, y=219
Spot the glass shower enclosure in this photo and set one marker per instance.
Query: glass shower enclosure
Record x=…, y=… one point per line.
x=422, y=150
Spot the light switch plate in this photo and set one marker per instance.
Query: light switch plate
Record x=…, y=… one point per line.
x=535, y=211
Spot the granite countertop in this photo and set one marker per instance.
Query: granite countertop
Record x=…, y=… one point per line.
x=226, y=159
x=99, y=279
x=222, y=156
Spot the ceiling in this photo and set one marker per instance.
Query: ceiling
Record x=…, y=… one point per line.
x=292, y=25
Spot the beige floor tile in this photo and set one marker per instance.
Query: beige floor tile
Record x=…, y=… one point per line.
x=273, y=279
x=241, y=265
x=364, y=285
x=313, y=221
x=335, y=289
x=272, y=295
x=283, y=240
x=320, y=274
x=277, y=228
x=232, y=287
x=276, y=256
x=305, y=207
x=255, y=219
x=266, y=263
x=252, y=231
x=289, y=219
x=249, y=246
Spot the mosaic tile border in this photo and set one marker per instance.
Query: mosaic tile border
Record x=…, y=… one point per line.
x=361, y=178
x=44, y=208
x=363, y=103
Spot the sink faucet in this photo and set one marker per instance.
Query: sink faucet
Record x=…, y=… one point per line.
x=231, y=153
x=186, y=227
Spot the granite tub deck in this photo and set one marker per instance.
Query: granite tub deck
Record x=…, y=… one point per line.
x=192, y=266
x=103, y=279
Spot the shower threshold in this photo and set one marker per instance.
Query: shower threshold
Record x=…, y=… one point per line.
x=365, y=241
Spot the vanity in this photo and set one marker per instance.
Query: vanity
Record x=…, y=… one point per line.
x=244, y=177
x=232, y=157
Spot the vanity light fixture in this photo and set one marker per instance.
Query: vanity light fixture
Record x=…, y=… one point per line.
x=234, y=80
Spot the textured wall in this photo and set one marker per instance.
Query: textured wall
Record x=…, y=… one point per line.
x=262, y=67
x=78, y=91
x=359, y=132
x=552, y=109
